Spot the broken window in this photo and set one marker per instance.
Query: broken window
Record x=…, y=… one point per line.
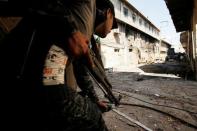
x=116, y=50
x=125, y=11
x=140, y=21
x=134, y=17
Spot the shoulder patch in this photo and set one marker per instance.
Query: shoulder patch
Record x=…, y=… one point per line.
x=55, y=64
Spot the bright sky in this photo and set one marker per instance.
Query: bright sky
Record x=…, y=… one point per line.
x=158, y=13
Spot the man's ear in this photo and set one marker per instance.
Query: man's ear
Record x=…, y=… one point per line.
x=109, y=13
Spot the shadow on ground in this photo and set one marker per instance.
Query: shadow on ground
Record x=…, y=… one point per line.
x=178, y=69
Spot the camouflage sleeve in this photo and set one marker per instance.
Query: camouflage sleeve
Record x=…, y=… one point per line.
x=70, y=111
x=84, y=81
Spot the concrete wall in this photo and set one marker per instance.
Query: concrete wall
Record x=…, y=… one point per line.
x=191, y=42
x=164, y=50
x=115, y=50
x=194, y=35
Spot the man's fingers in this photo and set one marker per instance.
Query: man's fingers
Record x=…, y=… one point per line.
x=78, y=44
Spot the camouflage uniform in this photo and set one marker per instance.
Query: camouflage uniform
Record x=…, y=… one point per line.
x=32, y=102
x=82, y=113
x=73, y=110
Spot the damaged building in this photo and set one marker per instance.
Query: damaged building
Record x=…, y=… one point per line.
x=137, y=39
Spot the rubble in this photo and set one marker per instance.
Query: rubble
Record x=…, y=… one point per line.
x=168, y=103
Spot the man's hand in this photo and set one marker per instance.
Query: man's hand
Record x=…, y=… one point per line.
x=104, y=107
x=78, y=44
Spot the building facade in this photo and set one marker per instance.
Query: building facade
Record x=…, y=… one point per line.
x=135, y=41
x=164, y=47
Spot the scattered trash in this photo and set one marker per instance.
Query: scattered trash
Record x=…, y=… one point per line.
x=170, y=119
x=157, y=95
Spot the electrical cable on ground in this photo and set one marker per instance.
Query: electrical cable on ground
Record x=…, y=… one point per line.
x=157, y=110
x=154, y=103
x=132, y=120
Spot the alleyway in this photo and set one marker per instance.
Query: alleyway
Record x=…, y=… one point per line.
x=161, y=102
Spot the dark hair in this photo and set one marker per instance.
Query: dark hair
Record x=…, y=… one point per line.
x=104, y=5
x=101, y=7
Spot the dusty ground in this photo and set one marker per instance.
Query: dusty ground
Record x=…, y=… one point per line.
x=160, y=102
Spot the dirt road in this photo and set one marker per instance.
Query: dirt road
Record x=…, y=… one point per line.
x=159, y=101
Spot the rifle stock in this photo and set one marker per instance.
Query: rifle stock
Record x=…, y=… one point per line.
x=98, y=74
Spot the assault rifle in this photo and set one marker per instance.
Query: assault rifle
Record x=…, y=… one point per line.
x=98, y=74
